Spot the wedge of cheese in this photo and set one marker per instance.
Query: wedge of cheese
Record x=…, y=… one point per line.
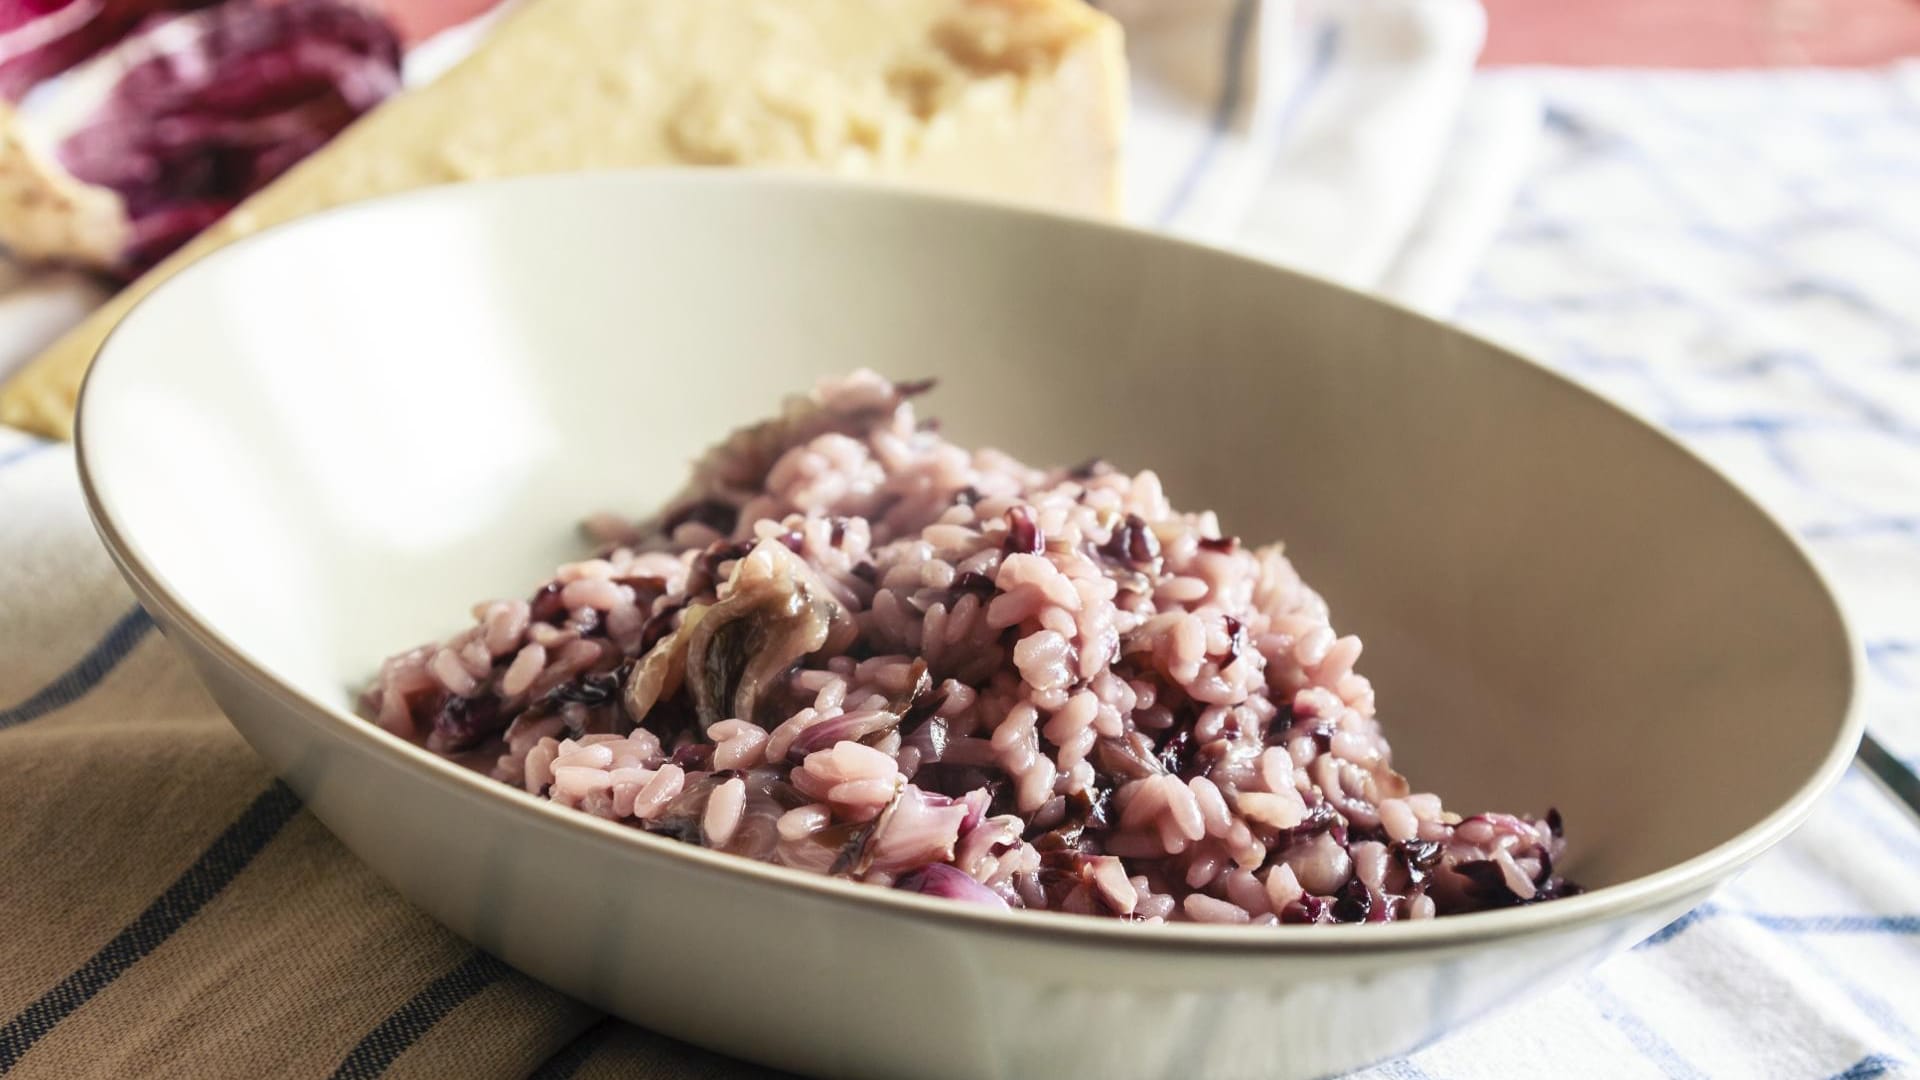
x=1020, y=99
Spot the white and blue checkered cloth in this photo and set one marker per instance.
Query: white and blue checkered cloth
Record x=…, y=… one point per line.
x=1734, y=256
x=1737, y=258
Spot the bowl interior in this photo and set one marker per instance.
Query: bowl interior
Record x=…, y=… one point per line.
x=329, y=441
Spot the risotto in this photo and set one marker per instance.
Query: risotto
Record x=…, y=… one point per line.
x=855, y=648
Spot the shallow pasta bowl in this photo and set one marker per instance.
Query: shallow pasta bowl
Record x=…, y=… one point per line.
x=320, y=445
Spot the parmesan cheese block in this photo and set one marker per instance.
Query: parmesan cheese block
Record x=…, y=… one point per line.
x=1020, y=99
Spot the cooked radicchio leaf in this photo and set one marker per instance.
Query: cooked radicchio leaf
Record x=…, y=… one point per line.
x=1419, y=858
x=862, y=726
x=1308, y=909
x=546, y=605
x=1367, y=834
x=1321, y=817
x=1354, y=904
x=659, y=673
x=1176, y=754
x=924, y=710
x=1023, y=535
x=693, y=756
x=1081, y=812
x=1132, y=542
x=463, y=723
x=1487, y=884
x=1554, y=888
x=715, y=514
x=1131, y=757
x=972, y=581
x=1236, y=641
x=589, y=690
x=919, y=691
x=927, y=738
x=775, y=614
x=939, y=879
x=850, y=842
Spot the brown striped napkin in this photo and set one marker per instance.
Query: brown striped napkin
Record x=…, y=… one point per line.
x=169, y=908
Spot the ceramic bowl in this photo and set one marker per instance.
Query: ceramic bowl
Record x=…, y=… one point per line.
x=321, y=445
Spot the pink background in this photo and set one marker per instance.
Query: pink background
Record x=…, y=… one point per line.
x=1653, y=33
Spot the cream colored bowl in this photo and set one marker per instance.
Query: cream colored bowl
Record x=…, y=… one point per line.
x=323, y=444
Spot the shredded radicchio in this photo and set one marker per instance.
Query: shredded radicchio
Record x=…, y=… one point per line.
x=1419, y=858
x=1354, y=904
x=944, y=881
x=715, y=514
x=1023, y=536
x=1133, y=542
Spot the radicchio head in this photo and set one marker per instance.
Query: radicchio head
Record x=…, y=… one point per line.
x=160, y=135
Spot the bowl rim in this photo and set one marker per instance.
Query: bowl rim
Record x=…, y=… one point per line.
x=1639, y=894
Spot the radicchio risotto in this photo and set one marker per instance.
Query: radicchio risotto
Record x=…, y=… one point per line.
x=855, y=648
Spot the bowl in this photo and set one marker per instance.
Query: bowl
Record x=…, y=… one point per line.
x=322, y=444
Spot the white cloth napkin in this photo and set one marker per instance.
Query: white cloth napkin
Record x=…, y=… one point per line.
x=1208, y=80
x=1371, y=115
x=1342, y=137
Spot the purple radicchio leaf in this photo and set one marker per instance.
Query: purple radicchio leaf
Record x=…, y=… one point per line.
x=43, y=38
x=1308, y=909
x=1354, y=904
x=213, y=105
x=463, y=723
x=1023, y=535
x=939, y=879
x=1132, y=542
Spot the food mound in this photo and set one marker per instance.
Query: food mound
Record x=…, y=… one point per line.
x=855, y=648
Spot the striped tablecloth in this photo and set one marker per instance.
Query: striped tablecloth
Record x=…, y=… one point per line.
x=1737, y=258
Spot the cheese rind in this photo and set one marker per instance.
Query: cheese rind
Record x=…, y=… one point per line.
x=1019, y=99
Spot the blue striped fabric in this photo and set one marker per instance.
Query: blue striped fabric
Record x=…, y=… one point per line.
x=567, y=1063
x=396, y=1033
x=1233, y=92
x=218, y=865
x=22, y=448
x=1737, y=257
x=86, y=673
x=1869, y=1067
